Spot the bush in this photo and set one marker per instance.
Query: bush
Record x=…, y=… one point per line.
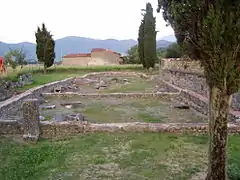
x=173, y=51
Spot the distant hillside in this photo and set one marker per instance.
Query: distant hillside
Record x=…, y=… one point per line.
x=73, y=44
x=170, y=38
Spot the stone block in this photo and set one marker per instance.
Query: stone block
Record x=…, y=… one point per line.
x=31, y=121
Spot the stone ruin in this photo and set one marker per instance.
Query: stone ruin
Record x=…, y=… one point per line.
x=7, y=87
x=60, y=116
x=31, y=119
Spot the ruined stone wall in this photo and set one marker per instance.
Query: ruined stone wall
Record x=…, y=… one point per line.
x=193, y=81
x=182, y=64
x=7, y=87
x=9, y=108
x=66, y=129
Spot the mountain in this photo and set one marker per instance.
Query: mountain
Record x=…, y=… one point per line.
x=169, y=38
x=73, y=44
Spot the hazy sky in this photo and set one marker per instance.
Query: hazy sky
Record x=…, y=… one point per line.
x=101, y=19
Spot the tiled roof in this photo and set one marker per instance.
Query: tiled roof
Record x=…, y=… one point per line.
x=77, y=55
x=103, y=50
x=89, y=54
x=98, y=50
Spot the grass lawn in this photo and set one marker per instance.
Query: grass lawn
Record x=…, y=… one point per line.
x=123, y=156
x=13, y=74
x=59, y=72
x=40, y=79
x=136, y=84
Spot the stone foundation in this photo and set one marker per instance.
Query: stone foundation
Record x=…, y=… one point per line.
x=118, y=95
x=15, y=103
x=194, y=82
x=65, y=129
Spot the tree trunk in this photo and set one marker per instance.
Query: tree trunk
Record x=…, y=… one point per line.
x=45, y=69
x=219, y=106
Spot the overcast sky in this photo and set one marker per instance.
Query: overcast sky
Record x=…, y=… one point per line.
x=100, y=19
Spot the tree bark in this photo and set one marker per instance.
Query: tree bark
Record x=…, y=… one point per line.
x=219, y=106
x=44, y=69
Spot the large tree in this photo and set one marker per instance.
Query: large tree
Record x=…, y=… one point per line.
x=147, y=38
x=45, y=47
x=209, y=31
x=150, y=52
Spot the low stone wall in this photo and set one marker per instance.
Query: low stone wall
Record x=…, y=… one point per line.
x=115, y=73
x=194, y=82
x=64, y=129
x=117, y=95
x=198, y=102
x=15, y=103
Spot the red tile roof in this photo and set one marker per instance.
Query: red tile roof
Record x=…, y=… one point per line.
x=98, y=50
x=77, y=55
x=89, y=54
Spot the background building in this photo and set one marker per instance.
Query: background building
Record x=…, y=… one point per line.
x=98, y=56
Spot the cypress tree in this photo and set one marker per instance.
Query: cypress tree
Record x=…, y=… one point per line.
x=45, y=47
x=150, y=52
x=210, y=32
x=141, y=44
x=147, y=39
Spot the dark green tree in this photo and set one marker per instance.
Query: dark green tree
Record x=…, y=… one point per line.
x=141, y=44
x=45, y=47
x=173, y=51
x=150, y=52
x=210, y=32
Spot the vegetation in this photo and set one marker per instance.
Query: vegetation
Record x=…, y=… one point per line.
x=209, y=31
x=14, y=58
x=147, y=39
x=45, y=47
x=112, y=156
x=59, y=72
x=133, y=57
x=173, y=51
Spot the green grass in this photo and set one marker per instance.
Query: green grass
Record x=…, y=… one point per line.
x=148, y=118
x=124, y=156
x=40, y=79
x=13, y=74
x=60, y=72
x=136, y=85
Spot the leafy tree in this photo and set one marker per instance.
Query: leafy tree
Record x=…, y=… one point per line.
x=173, y=51
x=45, y=47
x=147, y=39
x=15, y=57
x=161, y=52
x=133, y=57
x=210, y=31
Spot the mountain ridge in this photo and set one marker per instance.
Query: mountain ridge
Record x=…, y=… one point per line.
x=76, y=44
